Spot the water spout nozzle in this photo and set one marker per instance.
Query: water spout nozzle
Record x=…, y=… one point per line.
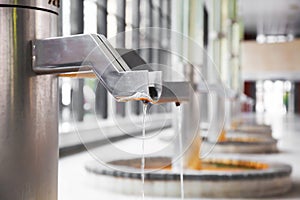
x=122, y=71
x=92, y=52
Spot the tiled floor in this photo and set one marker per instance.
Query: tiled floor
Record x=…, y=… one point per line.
x=76, y=184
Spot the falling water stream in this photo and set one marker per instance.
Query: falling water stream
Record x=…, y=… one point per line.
x=178, y=115
x=145, y=105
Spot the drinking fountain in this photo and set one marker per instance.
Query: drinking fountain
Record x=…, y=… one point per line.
x=32, y=57
x=208, y=175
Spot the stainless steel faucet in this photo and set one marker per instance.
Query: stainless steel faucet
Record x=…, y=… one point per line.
x=122, y=71
x=29, y=91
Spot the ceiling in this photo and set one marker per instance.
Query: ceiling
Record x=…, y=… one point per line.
x=270, y=17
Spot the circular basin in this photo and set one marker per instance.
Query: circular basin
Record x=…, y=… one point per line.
x=246, y=144
x=255, y=128
x=218, y=178
x=235, y=133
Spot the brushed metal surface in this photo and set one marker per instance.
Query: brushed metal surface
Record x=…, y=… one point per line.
x=86, y=52
x=50, y=5
x=28, y=109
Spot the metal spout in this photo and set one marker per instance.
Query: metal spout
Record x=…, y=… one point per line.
x=92, y=52
x=122, y=72
x=168, y=91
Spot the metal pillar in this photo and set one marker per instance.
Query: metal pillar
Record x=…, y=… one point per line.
x=121, y=8
x=28, y=104
x=101, y=93
x=136, y=106
x=77, y=28
x=204, y=97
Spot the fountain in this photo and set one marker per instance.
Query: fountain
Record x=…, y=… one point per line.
x=243, y=142
x=203, y=177
x=212, y=176
x=243, y=136
x=30, y=65
x=32, y=58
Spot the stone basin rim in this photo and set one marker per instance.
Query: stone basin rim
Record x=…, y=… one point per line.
x=275, y=170
x=264, y=142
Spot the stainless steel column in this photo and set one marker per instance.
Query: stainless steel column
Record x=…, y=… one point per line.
x=148, y=17
x=101, y=93
x=204, y=98
x=136, y=106
x=77, y=26
x=121, y=25
x=28, y=104
x=136, y=18
x=156, y=34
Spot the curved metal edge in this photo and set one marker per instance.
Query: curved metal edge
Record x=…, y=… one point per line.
x=52, y=6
